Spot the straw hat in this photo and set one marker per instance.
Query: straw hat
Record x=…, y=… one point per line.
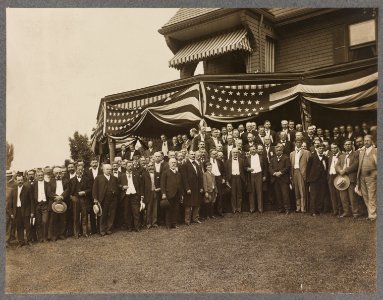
x=342, y=183
x=59, y=207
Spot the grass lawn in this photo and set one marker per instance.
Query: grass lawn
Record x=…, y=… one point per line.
x=268, y=253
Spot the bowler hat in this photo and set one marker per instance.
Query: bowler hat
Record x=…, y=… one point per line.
x=97, y=209
x=342, y=183
x=59, y=207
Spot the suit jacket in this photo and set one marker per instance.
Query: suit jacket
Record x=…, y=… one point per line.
x=212, y=144
x=262, y=161
x=35, y=192
x=123, y=155
x=303, y=159
x=225, y=151
x=352, y=168
x=244, y=136
x=27, y=205
x=186, y=145
x=100, y=186
x=258, y=140
x=269, y=154
x=83, y=185
x=362, y=152
x=147, y=186
x=290, y=136
x=192, y=180
x=128, y=154
x=287, y=148
x=52, y=191
x=157, y=175
x=209, y=182
x=123, y=180
x=246, y=147
x=176, y=147
x=149, y=152
x=283, y=166
x=330, y=161
x=197, y=139
x=221, y=167
x=273, y=136
x=229, y=164
x=171, y=183
x=315, y=170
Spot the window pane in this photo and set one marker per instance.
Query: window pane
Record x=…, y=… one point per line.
x=363, y=32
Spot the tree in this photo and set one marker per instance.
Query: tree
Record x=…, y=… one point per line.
x=10, y=151
x=80, y=148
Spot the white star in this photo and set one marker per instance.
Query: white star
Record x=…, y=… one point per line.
x=234, y=101
x=223, y=91
x=227, y=100
x=246, y=109
x=257, y=102
x=241, y=115
x=238, y=93
x=261, y=108
x=257, y=113
x=242, y=102
x=224, y=108
x=232, y=108
x=249, y=102
x=249, y=114
x=245, y=93
x=254, y=109
x=239, y=109
x=213, y=114
x=252, y=93
x=230, y=93
x=213, y=97
x=260, y=93
x=216, y=90
x=208, y=88
x=128, y=124
x=219, y=99
x=220, y=115
x=217, y=106
x=210, y=104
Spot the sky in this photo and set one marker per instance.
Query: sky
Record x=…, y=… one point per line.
x=61, y=62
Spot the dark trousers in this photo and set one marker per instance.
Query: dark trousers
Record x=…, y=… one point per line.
x=108, y=213
x=171, y=213
x=256, y=191
x=160, y=210
x=218, y=201
x=10, y=228
x=281, y=193
x=132, y=210
x=42, y=217
x=69, y=219
x=119, y=219
x=317, y=194
x=334, y=195
x=22, y=222
x=79, y=207
x=151, y=210
x=236, y=193
x=92, y=217
x=57, y=224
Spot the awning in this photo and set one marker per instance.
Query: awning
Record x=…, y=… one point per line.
x=220, y=44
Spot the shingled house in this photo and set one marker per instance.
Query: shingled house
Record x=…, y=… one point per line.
x=258, y=47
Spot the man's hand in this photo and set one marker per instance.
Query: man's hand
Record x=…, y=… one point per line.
x=342, y=172
x=263, y=179
x=201, y=191
x=157, y=189
x=95, y=200
x=32, y=215
x=188, y=192
x=125, y=187
x=206, y=195
x=250, y=169
x=82, y=193
x=163, y=196
x=12, y=216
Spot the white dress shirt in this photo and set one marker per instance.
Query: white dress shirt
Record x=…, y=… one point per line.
x=41, y=197
x=72, y=175
x=19, y=188
x=297, y=157
x=333, y=163
x=59, y=187
x=229, y=148
x=131, y=189
x=235, y=167
x=164, y=148
x=107, y=177
x=95, y=172
x=157, y=166
x=214, y=167
x=255, y=164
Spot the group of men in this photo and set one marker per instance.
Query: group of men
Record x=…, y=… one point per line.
x=184, y=180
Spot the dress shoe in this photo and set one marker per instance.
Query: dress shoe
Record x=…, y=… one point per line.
x=22, y=244
x=174, y=227
x=356, y=216
x=314, y=215
x=154, y=226
x=85, y=235
x=298, y=211
x=102, y=233
x=135, y=230
x=213, y=217
x=287, y=212
x=29, y=243
x=187, y=223
x=252, y=211
x=109, y=232
x=260, y=211
x=344, y=216
x=76, y=236
x=197, y=221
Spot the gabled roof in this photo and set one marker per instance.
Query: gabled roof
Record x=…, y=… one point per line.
x=184, y=14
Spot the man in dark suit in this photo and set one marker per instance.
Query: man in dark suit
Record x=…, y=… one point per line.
x=175, y=146
x=193, y=188
x=164, y=146
x=132, y=196
x=149, y=193
x=249, y=130
x=250, y=142
x=256, y=167
x=286, y=130
x=228, y=147
x=21, y=209
x=122, y=153
x=235, y=177
x=150, y=151
x=131, y=152
x=268, y=149
x=41, y=201
x=259, y=137
x=279, y=170
x=214, y=141
x=159, y=167
x=94, y=171
x=334, y=193
x=347, y=164
x=79, y=191
x=270, y=133
x=316, y=171
x=201, y=137
x=105, y=191
x=218, y=170
x=171, y=190
x=287, y=145
x=292, y=130
x=58, y=191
